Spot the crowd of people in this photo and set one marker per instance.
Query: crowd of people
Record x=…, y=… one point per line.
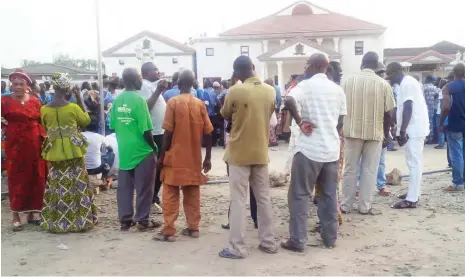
x=338, y=135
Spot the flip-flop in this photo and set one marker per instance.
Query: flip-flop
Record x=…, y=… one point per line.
x=268, y=250
x=151, y=225
x=226, y=253
x=404, y=204
x=371, y=211
x=190, y=233
x=384, y=192
x=165, y=238
x=34, y=222
x=17, y=226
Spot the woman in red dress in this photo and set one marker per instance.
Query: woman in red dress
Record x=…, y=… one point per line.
x=25, y=168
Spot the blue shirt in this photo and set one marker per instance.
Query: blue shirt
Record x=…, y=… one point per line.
x=45, y=98
x=210, y=101
x=175, y=92
x=278, y=96
x=456, y=117
x=6, y=92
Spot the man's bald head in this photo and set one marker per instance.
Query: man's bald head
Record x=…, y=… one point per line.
x=243, y=68
x=459, y=71
x=150, y=72
x=395, y=73
x=269, y=81
x=132, y=79
x=370, y=60
x=317, y=63
x=186, y=80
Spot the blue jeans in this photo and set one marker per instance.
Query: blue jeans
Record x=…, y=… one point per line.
x=441, y=135
x=381, y=178
x=457, y=157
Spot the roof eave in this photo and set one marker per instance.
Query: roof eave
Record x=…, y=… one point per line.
x=324, y=34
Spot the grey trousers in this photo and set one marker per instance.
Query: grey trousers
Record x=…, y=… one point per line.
x=142, y=179
x=305, y=173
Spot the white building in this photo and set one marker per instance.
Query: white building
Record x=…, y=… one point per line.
x=280, y=44
x=168, y=55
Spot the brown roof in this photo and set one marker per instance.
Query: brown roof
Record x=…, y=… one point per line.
x=302, y=40
x=427, y=54
x=443, y=47
x=307, y=23
x=154, y=36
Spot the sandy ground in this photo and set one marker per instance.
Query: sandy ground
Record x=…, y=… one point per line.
x=428, y=240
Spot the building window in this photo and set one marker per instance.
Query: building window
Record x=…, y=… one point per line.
x=175, y=60
x=209, y=51
x=359, y=48
x=121, y=62
x=245, y=51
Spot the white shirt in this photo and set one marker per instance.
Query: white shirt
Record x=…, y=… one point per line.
x=439, y=102
x=94, y=153
x=322, y=102
x=158, y=111
x=111, y=141
x=410, y=89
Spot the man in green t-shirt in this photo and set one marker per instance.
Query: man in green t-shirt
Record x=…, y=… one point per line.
x=130, y=118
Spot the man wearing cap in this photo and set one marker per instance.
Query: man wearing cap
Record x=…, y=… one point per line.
x=366, y=129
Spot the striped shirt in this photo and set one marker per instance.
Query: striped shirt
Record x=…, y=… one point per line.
x=368, y=98
x=322, y=102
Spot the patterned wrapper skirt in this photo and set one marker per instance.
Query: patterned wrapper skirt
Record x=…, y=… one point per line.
x=68, y=200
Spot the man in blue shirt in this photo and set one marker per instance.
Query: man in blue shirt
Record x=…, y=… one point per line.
x=174, y=91
x=4, y=91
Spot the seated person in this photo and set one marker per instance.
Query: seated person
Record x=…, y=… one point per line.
x=94, y=165
x=110, y=141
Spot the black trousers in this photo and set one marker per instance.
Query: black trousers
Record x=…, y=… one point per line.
x=158, y=139
x=253, y=203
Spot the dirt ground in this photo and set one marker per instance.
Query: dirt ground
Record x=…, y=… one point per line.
x=428, y=240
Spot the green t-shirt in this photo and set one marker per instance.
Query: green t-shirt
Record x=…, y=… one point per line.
x=130, y=118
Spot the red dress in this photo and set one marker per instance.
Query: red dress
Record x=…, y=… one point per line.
x=26, y=170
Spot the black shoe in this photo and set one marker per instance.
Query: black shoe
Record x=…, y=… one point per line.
x=255, y=224
x=225, y=226
x=126, y=226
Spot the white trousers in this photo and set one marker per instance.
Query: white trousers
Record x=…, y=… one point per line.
x=414, y=159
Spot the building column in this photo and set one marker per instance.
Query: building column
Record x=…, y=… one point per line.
x=280, y=77
x=265, y=70
x=336, y=44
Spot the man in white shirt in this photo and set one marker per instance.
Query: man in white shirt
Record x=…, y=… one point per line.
x=93, y=157
x=151, y=90
x=413, y=128
x=316, y=154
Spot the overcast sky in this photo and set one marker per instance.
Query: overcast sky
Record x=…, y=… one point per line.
x=38, y=29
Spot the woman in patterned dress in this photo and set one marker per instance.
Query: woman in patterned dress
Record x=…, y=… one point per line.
x=25, y=168
x=68, y=200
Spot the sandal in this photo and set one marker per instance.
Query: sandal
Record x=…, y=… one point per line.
x=165, y=238
x=268, y=250
x=17, y=226
x=371, y=211
x=226, y=253
x=142, y=227
x=384, y=192
x=404, y=204
x=288, y=245
x=126, y=226
x=453, y=189
x=191, y=233
x=402, y=196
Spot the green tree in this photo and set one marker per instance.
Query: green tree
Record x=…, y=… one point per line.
x=67, y=60
x=26, y=63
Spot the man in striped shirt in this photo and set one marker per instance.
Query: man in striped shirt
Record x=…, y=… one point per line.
x=366, y=129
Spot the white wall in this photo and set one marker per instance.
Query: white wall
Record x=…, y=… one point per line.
x=164, y=63
x=351, y=62
x=225, y=52
x=159, y=47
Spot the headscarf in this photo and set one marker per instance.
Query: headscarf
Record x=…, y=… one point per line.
x=61, y=81
x=20, y=74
